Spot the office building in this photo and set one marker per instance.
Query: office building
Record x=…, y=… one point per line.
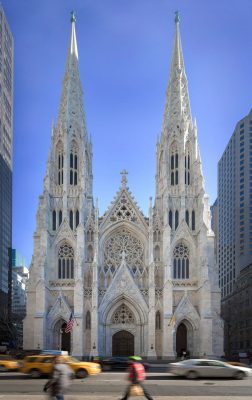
x=6, y=140
x=235, y=237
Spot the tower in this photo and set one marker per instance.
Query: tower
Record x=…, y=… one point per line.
x=189, y=271
x=56, y=274
x=6, y=144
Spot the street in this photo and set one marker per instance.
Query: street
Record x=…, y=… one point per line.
x=111, y=385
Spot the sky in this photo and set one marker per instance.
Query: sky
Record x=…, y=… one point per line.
x=124, y=57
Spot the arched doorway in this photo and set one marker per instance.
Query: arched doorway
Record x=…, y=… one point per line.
x=61, y=339
x=123, y=344
x=65, y=339
x=181, y=339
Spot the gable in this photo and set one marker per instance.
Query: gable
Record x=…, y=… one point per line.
x=124, y=208
x=123, y=284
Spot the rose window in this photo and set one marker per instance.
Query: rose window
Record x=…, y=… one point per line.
x=123, y=242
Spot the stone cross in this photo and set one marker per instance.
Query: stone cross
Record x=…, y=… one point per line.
x=124, y=178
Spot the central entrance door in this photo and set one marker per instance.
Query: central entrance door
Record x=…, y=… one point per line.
x=123, y=344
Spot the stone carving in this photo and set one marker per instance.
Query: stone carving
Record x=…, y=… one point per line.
x=124, y=210
x=123, y=315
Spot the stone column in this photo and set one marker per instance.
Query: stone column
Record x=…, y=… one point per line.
x=94, y=312
x=151, y=352
x=77, y=343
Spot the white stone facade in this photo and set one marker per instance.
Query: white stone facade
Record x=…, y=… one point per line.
x=147, y=285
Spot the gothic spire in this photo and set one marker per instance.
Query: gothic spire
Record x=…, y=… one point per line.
x=177, y=104
x=71, y=114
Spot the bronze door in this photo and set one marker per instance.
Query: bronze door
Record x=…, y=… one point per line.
x=181, y=339
x=123, y=344
x=65, y=339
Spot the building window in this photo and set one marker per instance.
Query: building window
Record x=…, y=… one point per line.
x=181, y=262
x=71, y=219
x=193, y=220
x=156, y=253
x=158, y=320
x=88, y=320
x=60, y=167
x=176, y=219
x=187, y=169
x=170, y=218
x=77, y=218
x=73, y=167
x=66, y=262
x=174, y=166
x=54, y=220
x=60, y=217
x=187, y=217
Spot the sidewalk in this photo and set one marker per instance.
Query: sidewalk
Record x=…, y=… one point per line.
x=113, y=397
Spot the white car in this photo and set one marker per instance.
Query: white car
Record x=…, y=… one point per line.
x=197, y=368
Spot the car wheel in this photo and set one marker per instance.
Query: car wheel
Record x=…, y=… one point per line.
x=35, y=373
x=192, y=375
x=239, y=375
x=81, y=373
x=3, y=368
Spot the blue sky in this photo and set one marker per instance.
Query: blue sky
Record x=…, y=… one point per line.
x=124, y=54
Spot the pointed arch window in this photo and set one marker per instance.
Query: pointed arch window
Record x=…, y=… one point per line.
x=73, y=167
x=77, y=218
x=157, y=253
x=174, y=166
x=158, y=320
x=181, y=262
x=60, y=167
x=176, y=219
x=187, y=217
x=90, y=253
x=170, y=218
x=54, y=220
x=193, y=220
x=66, y=262
x=60, y=217
x=71, y=219
x=187, y=168
x=88, y=320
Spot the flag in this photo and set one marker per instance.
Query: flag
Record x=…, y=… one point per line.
x=172, y=321
x=70, y=324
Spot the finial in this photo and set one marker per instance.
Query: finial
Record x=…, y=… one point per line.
x=124, y=179
x=176, y=17
x=73, y=17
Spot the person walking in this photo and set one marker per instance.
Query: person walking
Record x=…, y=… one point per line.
x=60, y=379
x=136, y=377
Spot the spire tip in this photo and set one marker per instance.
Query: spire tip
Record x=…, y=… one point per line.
x=176, y=17
x=73, y=17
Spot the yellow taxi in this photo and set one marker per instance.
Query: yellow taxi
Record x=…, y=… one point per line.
x=42, y=364
x=8, y=365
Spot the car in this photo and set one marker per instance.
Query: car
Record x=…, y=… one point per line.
x=42, y=364
x=8, y=365
x=197, y=368
x=117, y=363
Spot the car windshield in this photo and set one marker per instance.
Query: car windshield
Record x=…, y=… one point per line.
x=73, y=359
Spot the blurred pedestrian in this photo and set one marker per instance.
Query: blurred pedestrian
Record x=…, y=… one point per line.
x=60, y=379
x=136, y=377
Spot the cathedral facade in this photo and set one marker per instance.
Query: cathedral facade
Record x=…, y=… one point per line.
x=136, y=284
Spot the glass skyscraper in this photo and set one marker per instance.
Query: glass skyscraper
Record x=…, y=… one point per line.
x=235, y=238
x=6, y=141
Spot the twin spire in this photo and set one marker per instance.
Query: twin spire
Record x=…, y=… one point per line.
x=71, y=112
x=177, y=105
